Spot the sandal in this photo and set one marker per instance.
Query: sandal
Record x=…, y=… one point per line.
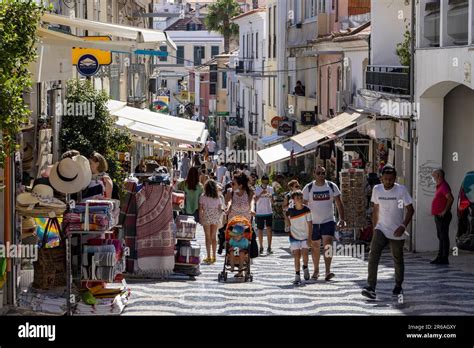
x=315, y=276
x=239, y=275
x=207, y=260
x=329, y=276
x=213, y=260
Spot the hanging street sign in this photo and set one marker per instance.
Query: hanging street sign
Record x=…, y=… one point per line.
x=103, y=57
x=88, y=65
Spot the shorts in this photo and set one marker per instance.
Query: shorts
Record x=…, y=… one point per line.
x=326, y=229
x=261, y=221
x=296, y=244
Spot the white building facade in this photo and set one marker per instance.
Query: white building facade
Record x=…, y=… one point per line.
x=251, y=64
x=445, y=116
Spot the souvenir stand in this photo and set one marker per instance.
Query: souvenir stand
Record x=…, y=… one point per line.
x=353, y=198
x=97, y=260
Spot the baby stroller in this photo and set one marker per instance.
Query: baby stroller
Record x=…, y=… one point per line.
x=249, y=235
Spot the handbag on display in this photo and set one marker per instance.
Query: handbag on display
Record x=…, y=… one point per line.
x=50, y=268
x=185, y=226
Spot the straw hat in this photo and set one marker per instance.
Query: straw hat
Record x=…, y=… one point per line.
x=70, y=175
x=42, y=195
x=28, y=231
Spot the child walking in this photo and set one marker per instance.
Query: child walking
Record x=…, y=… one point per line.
x=301, y=226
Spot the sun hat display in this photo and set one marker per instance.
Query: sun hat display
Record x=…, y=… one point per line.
x=70, y=175
x=42, y=195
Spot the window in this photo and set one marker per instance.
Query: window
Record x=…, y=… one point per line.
x=274, y=31
x=256, y=45
x=191, y=27
x=248, y=46
x=199, y=54
x=224, y=80
x=322, y=6
x=274, y=92
x=163, y=58
x=212, y=89
x=251, y=50
x=339, y=78
x=180, y=55
x=310, y=9
x=214, y=51
x=269, y=92
x=270, y=32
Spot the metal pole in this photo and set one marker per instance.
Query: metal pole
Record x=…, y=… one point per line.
x=412, y=123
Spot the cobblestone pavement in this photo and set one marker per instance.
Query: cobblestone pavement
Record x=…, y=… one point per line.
x=429, y=290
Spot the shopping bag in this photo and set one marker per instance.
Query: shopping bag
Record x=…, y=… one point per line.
x=50, y=268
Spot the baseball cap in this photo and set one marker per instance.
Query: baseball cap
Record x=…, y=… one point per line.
x=389, y=169
x=237, y=230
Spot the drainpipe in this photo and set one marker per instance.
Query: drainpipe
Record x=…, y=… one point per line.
x=412, y=122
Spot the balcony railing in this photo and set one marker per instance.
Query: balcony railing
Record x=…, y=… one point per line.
x=388, y=79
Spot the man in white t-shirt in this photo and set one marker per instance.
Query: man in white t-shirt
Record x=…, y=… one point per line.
x=320, y=196
x=264, y=212
x=211, y=147
x=391, y=201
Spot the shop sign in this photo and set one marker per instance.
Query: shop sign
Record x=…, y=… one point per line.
x=308, y=117
x=223, y=113
x=103, y=57
x=88, y=65
x=275, y=121
x=285, y=128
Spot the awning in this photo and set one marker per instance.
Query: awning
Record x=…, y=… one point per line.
x=310, y=139
x=278, y=153
x=52, y=37
x=270, y=139
x=139, y=35
x=160, y=127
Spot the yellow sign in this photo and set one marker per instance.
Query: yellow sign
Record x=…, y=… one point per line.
x=184, y=96
x=103, y=57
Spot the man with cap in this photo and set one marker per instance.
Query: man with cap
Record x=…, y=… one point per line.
x=393, y=211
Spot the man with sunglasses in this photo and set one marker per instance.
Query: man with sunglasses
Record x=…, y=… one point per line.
x=391, y=201
x=320, y=196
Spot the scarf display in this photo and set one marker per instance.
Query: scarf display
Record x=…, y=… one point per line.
x=155, y=241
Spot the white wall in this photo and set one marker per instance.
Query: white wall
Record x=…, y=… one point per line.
x=443, y=126
x=388, y=26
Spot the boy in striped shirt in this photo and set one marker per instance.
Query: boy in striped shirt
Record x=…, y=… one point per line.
x=301, y=227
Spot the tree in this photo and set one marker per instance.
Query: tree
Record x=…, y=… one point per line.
x=87, y=132
x=219, y=19
x=18, y=23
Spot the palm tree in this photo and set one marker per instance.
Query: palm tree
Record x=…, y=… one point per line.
x=219, y=19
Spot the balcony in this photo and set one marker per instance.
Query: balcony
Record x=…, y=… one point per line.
x=246, y=66
x=299, y=104
x=388, y=79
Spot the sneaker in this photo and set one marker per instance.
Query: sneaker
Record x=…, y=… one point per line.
x=443, y=261
x=397, y=290
x=435, y=261
x=297, y=280
x=269, y=251
x=261, y=250
x=369, y=293
x=306, y=273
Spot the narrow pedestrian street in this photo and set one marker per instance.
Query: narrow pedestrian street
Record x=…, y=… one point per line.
x=429, y=290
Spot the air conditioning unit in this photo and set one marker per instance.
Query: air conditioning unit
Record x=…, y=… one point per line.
x=343, y=100
x=299, y=25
